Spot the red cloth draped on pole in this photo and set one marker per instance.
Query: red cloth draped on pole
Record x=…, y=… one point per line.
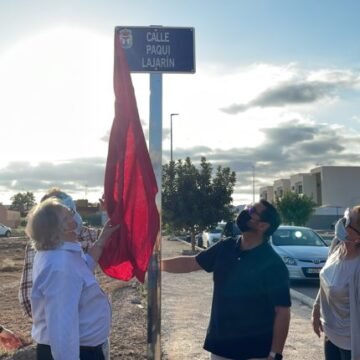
x=130, y=184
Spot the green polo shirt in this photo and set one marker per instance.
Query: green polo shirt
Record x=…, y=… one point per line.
x=247, y=287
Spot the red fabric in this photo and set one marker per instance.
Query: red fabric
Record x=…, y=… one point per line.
x=130, y=184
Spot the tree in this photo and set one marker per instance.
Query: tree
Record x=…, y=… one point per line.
x=192, y=200
x=22, y=202
x=295, y=209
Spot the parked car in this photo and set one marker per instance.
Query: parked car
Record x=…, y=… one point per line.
x=5, y=230
x=327, y=236
x=199, y=240
x=187, y=238
x=211, y=237
x=302, y=249
x=231, y=230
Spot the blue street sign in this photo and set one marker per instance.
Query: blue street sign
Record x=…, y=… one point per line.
x=158, y=49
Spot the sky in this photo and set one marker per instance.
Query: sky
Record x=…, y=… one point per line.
x=276, y=90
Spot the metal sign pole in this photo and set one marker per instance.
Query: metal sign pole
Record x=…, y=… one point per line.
x=157, y=50
x=154, y=274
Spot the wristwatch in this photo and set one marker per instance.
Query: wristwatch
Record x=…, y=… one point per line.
x=275, y=356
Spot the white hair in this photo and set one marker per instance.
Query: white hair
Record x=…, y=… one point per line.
x=45, y=224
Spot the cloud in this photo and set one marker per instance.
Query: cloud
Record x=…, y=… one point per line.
x=166, y=133
x=253, y=139
x=356, y=119
x=286, y=94
x=290, y=133
x=314, y=87
x=325, y=146
x=74, y=175
x=106, y=137
x=290, y=148
x=145, y=127
x=293, y=146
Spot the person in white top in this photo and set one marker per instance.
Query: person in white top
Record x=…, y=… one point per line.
x=336, y=310
x=71, y=314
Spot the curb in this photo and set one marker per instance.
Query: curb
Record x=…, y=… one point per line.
x=185, y=242
x=304, y=299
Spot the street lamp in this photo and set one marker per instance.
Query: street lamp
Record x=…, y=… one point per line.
x=171, y=136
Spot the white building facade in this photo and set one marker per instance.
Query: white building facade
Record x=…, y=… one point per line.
x=337, y=185
x=332, y=188
x=304, y=183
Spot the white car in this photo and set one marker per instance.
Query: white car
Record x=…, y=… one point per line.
x=211, y=237
x=303, y=251
x=5, y=230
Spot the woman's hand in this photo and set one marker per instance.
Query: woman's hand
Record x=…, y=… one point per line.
x=315, y=320
x=102, y=203
x=106, y=233
x=96, y=250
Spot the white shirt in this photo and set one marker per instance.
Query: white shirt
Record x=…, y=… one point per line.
x=69, y=308
x=335, y=277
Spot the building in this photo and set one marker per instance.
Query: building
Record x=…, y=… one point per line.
x=267, y=193
x=337, y=185
x=8, y=217
x=305, y=183
x=281, y=186
x=90, y=213
x=332, y=188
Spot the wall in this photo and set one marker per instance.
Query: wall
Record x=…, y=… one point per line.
x=340, y=185
x=3, y=214
x=9, y=217
x=281, y=185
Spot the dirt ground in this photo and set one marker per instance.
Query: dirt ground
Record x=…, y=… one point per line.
x=183, y=327
x=128, y=336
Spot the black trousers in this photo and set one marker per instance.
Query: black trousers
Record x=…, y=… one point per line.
x=43, y=352
x=332, y=352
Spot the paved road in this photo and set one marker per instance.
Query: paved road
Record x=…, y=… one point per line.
x=310, y=288
x=186, y=301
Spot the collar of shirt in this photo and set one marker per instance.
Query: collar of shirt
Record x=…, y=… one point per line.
x=72, y=246
x=255, y=250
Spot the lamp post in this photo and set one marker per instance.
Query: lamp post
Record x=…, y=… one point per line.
x=171, y=136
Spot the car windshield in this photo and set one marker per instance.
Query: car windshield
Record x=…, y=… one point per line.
x=296, y=237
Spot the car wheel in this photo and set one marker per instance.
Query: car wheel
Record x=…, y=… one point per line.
x=8, y=233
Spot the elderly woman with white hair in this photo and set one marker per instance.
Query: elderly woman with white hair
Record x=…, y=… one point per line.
x=71, y=314
x=336, y=310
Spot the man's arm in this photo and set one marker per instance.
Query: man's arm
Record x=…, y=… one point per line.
x=280, y=330
x=181, y=264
